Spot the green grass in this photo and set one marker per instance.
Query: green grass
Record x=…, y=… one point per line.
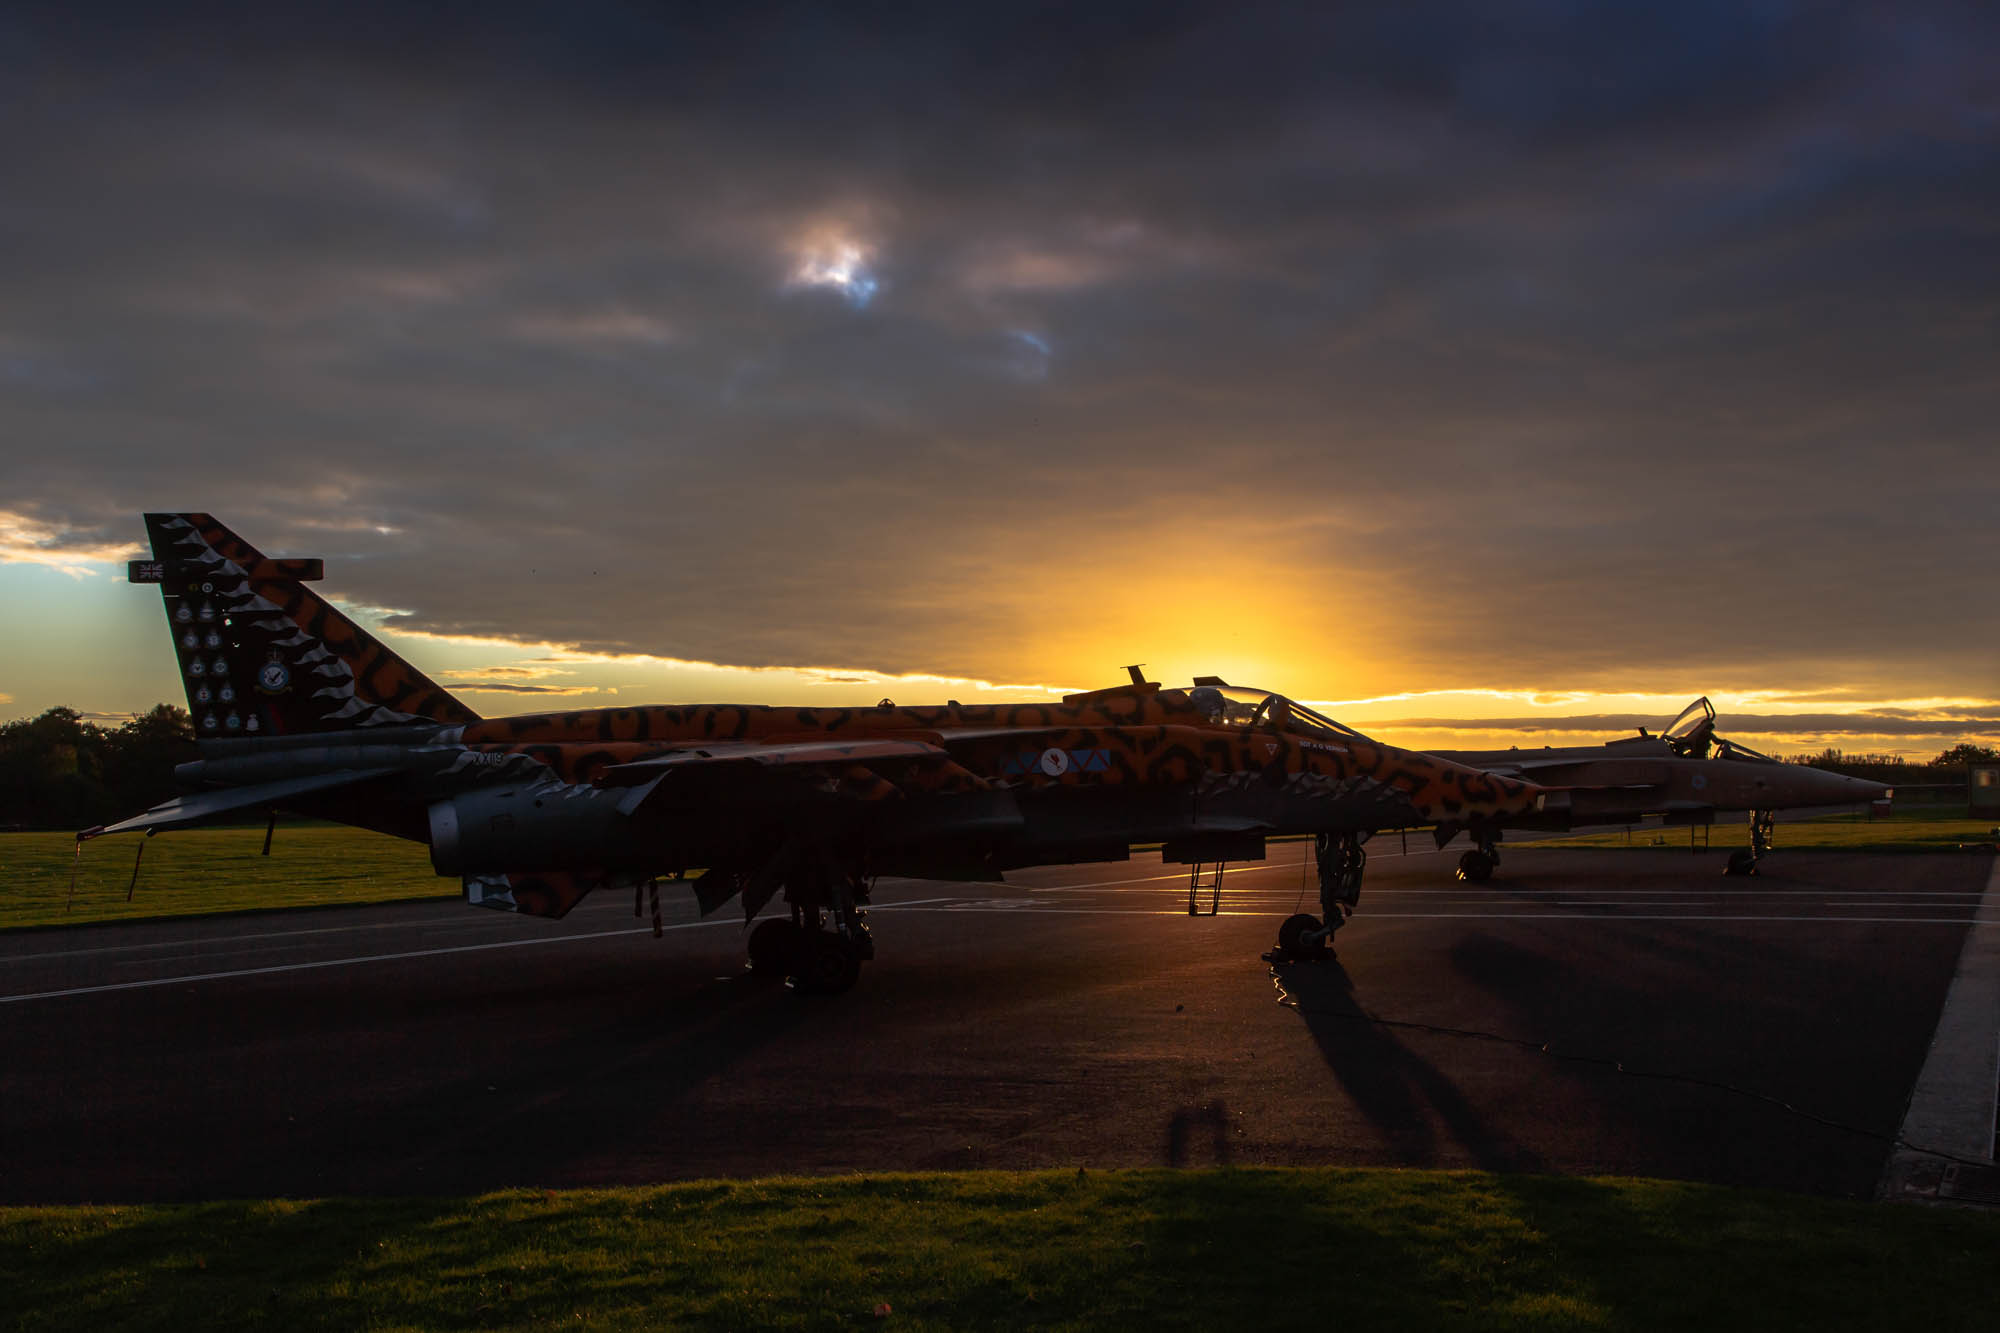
x=1318, y=1249
x=1903, y=831
x=200, y=871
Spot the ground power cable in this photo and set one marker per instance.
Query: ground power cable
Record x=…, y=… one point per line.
x=1617, y=1066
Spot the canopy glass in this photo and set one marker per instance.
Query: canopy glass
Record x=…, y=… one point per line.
x=1247, y=706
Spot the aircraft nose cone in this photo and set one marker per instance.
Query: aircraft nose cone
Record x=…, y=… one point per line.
x=1840, y=787
x=1866, y=790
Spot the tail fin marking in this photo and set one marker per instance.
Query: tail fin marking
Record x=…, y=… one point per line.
x=260, y=653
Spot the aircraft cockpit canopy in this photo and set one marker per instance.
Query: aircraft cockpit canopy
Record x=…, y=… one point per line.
x=1692, y=735
x=1247, y=706
x=1690, y=732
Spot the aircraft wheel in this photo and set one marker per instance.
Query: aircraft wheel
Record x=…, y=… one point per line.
x=1741, y=863
x=1293, y=928
x=772, y=945
x=827, y=964
x=1475, y=866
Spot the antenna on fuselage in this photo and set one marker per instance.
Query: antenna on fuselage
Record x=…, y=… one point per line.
x=1138, y=676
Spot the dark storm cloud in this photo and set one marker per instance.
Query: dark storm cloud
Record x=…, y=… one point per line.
x=1537, y=345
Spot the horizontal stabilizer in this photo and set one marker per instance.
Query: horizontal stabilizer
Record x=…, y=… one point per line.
x=208, y=806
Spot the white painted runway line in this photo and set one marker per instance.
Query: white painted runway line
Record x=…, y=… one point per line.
x=153, y=982
x=264, y=935
x=1130, y=895
x=1036, y=907
x=1502, y=890
x=353, y=961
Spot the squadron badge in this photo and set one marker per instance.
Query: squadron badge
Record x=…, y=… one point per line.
x=274, y=677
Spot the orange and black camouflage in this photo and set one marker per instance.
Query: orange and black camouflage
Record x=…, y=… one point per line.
x=299, y=708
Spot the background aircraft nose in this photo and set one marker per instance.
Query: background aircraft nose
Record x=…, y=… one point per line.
x=1840, y=787
x=1865, y=790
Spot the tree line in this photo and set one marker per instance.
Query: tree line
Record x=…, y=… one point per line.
x=60, y=771
x=1946, y=768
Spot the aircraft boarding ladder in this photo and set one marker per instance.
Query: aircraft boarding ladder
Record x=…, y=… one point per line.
x=1206, y=876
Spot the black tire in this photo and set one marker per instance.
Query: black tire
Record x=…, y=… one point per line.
x=772, y=947
x=827, y=965
x=1293, y=928
x=1741, y=863
x=1475, y=866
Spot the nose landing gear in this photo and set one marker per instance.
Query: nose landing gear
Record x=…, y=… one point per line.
x=1341, y=863
x=1763, y=823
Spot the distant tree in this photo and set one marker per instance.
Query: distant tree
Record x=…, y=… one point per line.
x=139, y=759
x=59, y=771
x=1965, y=752
x=51, y=769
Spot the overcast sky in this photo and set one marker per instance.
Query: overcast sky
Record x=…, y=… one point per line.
x=1557, y=351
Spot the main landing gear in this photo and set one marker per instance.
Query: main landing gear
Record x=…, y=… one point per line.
x=820, y=947
x=1477, y=866
x=1341, y=863
x=1763, y=823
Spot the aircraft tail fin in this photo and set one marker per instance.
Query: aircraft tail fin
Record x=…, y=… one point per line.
x=261, y=654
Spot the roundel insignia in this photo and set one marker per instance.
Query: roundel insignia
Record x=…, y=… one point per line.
x=1055, y=762
x=274, y=677
x=1700, y=780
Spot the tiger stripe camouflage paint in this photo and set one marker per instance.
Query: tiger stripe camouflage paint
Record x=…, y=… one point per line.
x=532, y=812
x=262, y=654
x=1144, y=735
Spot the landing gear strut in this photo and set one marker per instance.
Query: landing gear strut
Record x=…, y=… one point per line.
x=1477, y=866
x=819, y=949
x=1763, y=823
x=1341, y=863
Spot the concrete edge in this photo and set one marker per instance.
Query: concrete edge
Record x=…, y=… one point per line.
x=1953, y=1105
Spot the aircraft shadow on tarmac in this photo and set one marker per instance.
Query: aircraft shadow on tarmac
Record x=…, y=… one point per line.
x=1403, y=1094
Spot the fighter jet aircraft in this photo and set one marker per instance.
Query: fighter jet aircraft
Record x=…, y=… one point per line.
x=297, y=708
x=1687, y=774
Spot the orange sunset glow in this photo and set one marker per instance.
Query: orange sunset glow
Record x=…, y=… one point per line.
x=1487, y=404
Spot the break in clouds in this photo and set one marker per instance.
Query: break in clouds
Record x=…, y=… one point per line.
x=1415, y=347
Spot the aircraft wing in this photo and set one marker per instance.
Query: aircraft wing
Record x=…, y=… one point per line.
x=780, y=755
x=205, y=807
x=1570, y=771
x=711, y=772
